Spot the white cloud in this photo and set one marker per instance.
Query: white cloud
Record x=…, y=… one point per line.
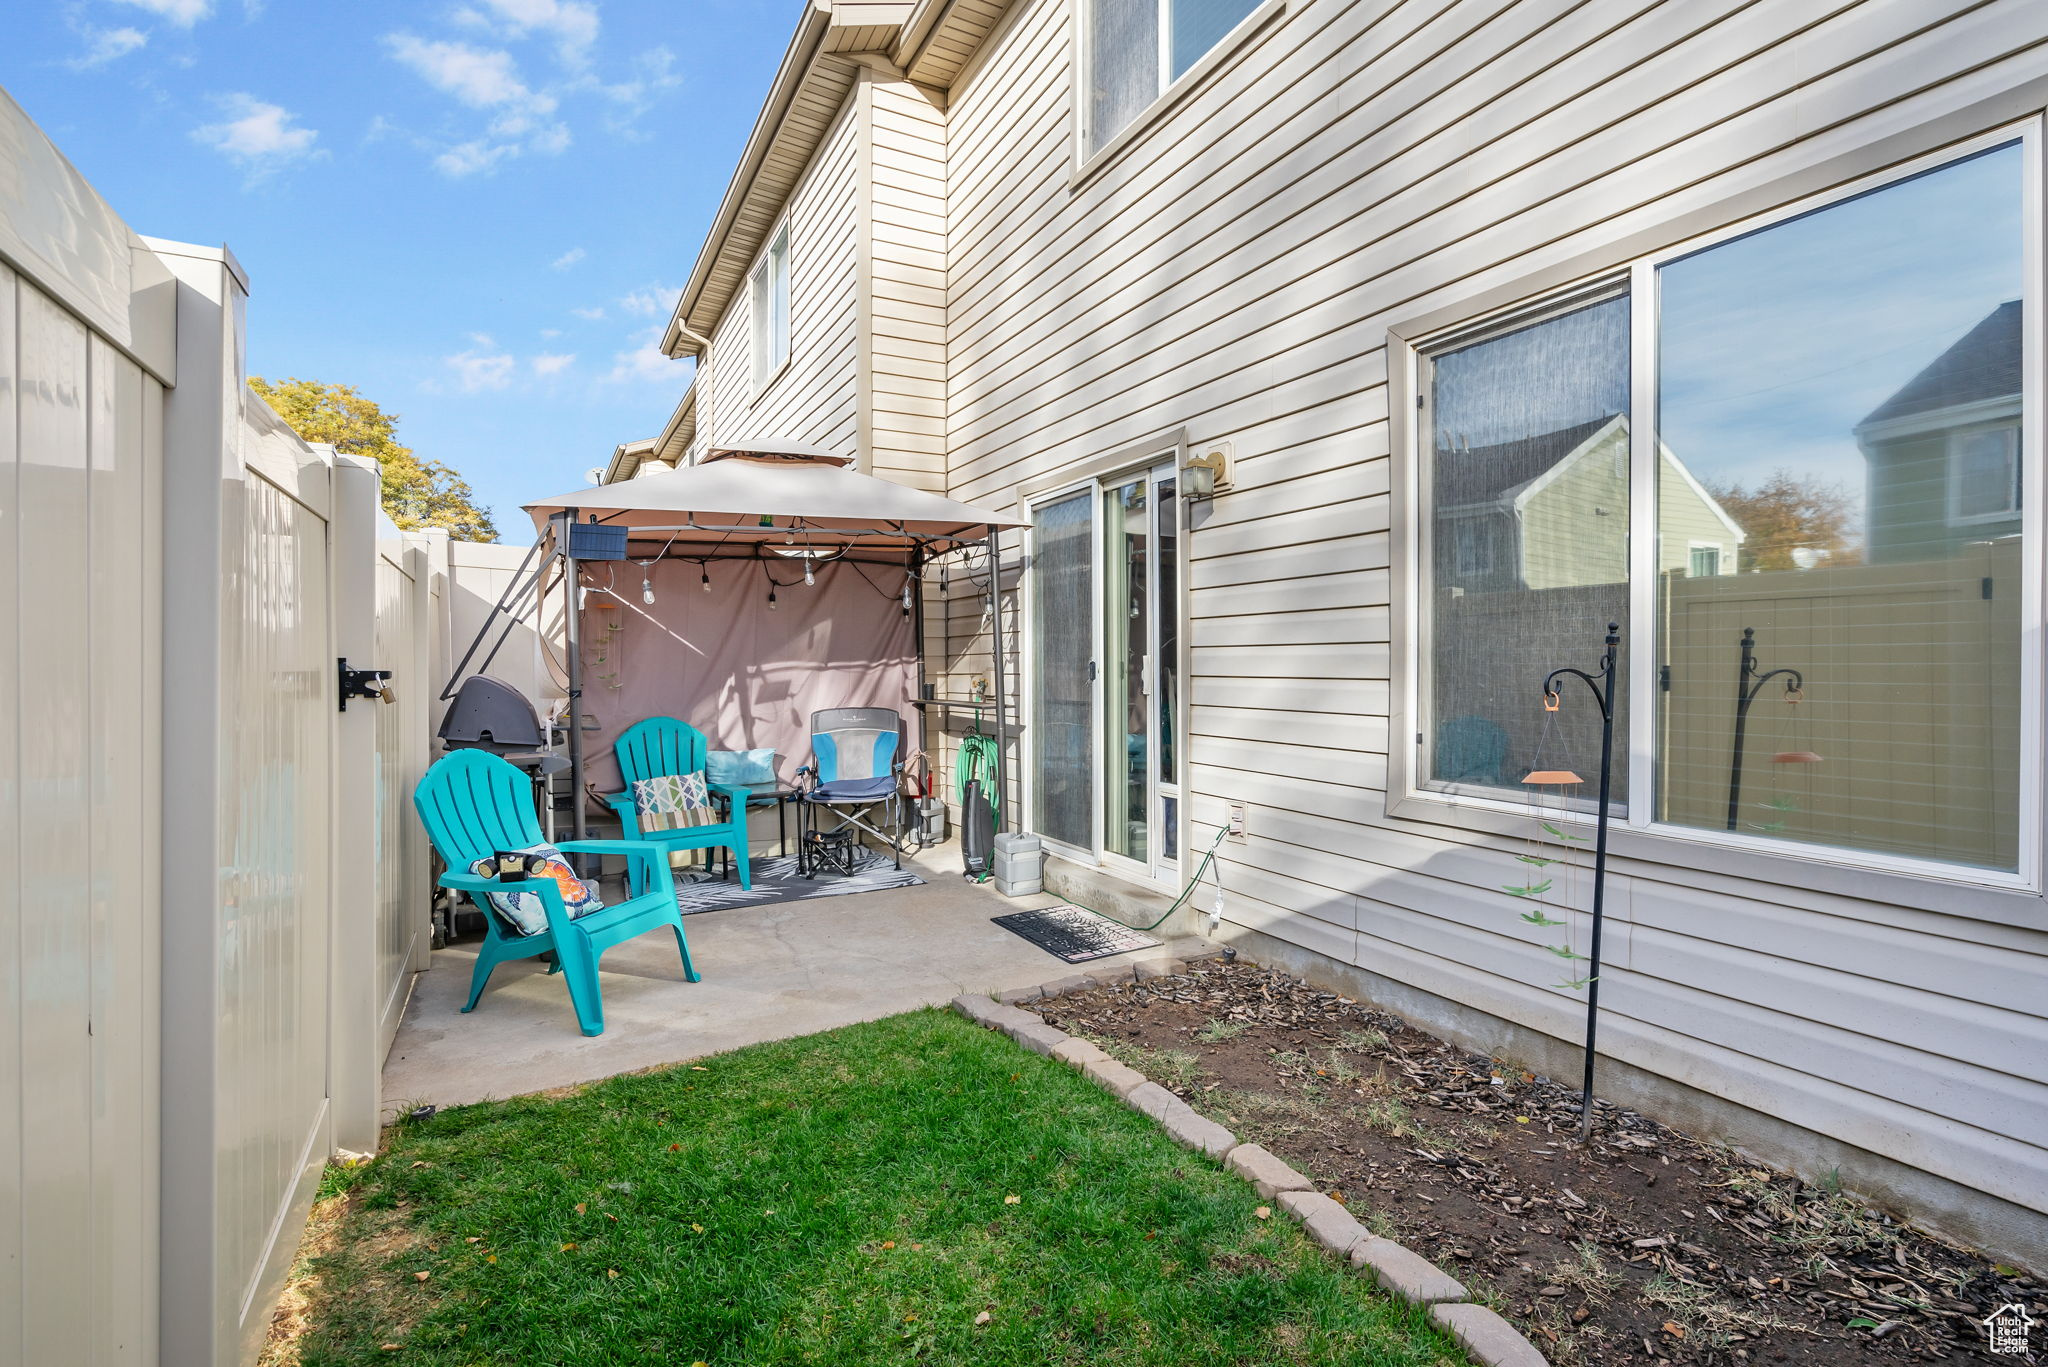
x=572, y=24
x=568, y=258
x=106, y=45
x=468, y=158
x=475, y=370
x=258, y=136
x=653, y=301
x=550, y=332
x=589, y=315
x=183, y=13
x=483, y=78
x=644, y=362
x=653, y=73
x=547, y=364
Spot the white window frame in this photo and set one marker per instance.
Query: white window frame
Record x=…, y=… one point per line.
x=1988, y=894
x=1172, y=89
x=1693, y=548
x=769, y=361
x=2014, y=497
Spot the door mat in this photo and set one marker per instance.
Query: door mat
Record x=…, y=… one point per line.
x=775, y=880
x=1075, y=933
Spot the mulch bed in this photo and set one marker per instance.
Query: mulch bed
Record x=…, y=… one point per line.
x=1644, y=1246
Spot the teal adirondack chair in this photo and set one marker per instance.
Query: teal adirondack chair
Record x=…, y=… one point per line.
x=474, y=804
x=663, y=745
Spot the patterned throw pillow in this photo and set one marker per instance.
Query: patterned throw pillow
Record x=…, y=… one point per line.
x=672, y=802
x=524, y=911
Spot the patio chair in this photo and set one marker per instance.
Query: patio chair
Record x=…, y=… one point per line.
x=662, y=745
x=474, y=805
x=855, y=775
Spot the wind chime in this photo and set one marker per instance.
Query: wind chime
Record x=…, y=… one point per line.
x=1601, y=684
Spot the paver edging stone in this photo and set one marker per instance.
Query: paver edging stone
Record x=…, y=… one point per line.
x=1399, y=1271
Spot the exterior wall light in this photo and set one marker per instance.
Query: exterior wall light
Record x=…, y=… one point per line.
x=1206, y=470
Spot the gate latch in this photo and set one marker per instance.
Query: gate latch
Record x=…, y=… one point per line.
x=363, y=683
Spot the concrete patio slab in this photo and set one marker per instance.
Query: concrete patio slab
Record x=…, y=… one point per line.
x=769, y=973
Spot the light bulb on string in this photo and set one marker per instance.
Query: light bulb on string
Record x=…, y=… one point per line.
x=647, y=590
x=906, y=596
x=810, y=575
x=704, y=575
x=771, y=597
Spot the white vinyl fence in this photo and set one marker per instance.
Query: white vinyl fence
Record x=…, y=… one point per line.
x=213, y=896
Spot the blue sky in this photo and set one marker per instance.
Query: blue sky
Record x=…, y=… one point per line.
x=478, y=211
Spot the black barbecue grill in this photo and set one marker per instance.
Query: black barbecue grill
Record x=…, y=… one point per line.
x=490, y=714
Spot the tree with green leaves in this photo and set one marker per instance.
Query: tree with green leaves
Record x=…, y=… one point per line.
x=417, y=493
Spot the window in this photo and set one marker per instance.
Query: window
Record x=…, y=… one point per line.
x=1830, y=532
x=1137, y=48
x=1523, y=426
x=771, y=309
x=1984, y=475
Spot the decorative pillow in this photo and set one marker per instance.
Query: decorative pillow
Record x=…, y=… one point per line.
x=672, y=802
x=524, y=911
x=751, y=767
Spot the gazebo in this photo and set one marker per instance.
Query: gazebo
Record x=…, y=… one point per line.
x=742, y=592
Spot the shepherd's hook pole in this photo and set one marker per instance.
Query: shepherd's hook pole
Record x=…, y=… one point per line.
x=1749, y=683
x=1602, y=685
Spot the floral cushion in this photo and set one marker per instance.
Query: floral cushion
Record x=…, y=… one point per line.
x=522, y=909
x=672, y=802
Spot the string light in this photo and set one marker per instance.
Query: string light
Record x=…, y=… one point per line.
x=704, y=574
x=771, y=595
x=810, y=576
x=647, y=589
x=906, y=595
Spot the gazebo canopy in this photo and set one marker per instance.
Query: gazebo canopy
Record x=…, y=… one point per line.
x=738, y=498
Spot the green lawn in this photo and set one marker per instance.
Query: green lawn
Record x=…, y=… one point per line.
x=860, y=1196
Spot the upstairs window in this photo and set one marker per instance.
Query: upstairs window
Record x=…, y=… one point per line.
x=1137, y=48
x=771, y=309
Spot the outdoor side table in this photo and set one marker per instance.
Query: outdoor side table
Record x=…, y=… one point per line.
x=827, y=852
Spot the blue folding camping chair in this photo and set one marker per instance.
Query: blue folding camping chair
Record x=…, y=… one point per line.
x=855, y=778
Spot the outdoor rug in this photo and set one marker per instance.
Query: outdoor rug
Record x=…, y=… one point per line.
x=775, y=880
x=1075, y=933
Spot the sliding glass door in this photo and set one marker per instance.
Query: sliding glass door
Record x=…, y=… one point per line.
x=1105, y=669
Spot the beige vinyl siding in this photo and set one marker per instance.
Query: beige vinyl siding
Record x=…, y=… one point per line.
x=907, y=327
x=812, y=399
x=1234, y=271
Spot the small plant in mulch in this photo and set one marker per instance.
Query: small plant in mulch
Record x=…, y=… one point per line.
x=1642, y=1246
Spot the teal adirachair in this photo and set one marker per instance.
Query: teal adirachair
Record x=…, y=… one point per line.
x=662, y=745
x=474, y=804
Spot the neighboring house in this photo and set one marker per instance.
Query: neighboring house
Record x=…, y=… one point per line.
x=1513, y=514
x=1072, y=256
x=1945, y=451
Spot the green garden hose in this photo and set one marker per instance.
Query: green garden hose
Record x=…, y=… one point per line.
x=980, y=761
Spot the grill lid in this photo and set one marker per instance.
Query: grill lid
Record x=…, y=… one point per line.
x=488, y=713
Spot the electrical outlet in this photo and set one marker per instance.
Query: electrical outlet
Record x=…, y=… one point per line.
x=1235, y=822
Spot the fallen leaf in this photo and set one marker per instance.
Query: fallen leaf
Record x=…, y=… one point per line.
x=1337, y=1196
x=388, y=1347
x=474, y=1239
x=423, y=1164
x=674, y=1147
x=1012, y=1200
x=696, y=1069
x=1521, y=1120
x=581, y=1207
x=421, y=1276
x=910, y=1319
x=1264, y=1212
x=698, y=1228
x=611, y=1272
x=1671, y=1327
x=917, y=1248
x=568, y=1248
x=767, y=1212
x=888, y=1243
x=983, y=1318
x=490, y=1257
